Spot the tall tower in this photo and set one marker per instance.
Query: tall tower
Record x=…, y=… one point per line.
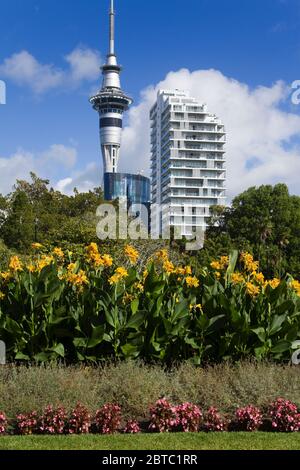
x=111, y=102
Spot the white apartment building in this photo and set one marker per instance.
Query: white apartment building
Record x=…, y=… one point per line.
x=187, y=162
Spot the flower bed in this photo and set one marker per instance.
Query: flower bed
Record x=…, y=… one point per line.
x=86, y=308
x=164, y=417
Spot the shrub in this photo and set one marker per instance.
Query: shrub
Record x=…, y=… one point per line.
x=284, y=415
x=53, y=421
x=214, y=421
x=188, y=417
x=27, y=423
x=3, y=423
x=163, y=416
x=248, y=418
x=80, y=420
x=108, y=418
x=132, y=427
x=136, y=386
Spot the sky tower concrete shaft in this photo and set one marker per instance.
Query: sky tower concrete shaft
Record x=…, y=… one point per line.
x=111, y=103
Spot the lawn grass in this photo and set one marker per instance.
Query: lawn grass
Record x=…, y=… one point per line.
x=178, y=441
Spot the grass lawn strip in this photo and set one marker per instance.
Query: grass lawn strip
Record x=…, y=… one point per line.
x=176, y=441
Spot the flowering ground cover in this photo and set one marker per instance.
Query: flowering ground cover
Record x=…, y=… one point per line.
x=282, y=415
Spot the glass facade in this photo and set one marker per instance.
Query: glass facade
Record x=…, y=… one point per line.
x=134, y=188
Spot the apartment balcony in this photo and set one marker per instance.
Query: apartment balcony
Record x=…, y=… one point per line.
x=206, y=130
x=183, y=186
x=188, y=140
x=198, y=157
x=212, y=148
x=204, y=149
x=182, y=118
x=204, y=139
x=214, y=178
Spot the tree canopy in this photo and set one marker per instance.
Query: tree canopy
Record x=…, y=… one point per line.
x=35, y=212
x=264, y=220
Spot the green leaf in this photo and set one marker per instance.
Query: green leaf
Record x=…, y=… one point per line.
x=80, y=342
x=110, y=318
x=59, y=349
x=107, y=338
x=130, y=351
x=276, y=323
x=281, y=346
x=12, y=326
x=214, y=324
x=42, y=357
x=261, y=333
x=181, y=310
x=260, y=352
x=192, y=342
x=97, y=337
x=21, y=357
x=233, y=257
x=134, y=306
x=136, y=320
x=286, y=307
x=159, y=302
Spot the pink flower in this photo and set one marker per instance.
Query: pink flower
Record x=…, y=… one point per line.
x=188, y=417
x=163, y=416
x=213, y=421
x=285, y=416
x=80, y=420
x=132, y=427
x=248, y=418
x=3, y=423
x=27, y=423
x=53, y=421
x=108, y=418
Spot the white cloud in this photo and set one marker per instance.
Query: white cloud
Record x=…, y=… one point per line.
x=84, y=64
x=259, y=131
x=56, y=159
x=83, y=180
x=25, y=70
x=59, y=155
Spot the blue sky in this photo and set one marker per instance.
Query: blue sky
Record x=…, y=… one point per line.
x=255, y=43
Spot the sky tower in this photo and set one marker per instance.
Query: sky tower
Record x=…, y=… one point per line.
x=111, y=102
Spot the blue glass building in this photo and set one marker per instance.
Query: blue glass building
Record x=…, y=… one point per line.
x=134, y=188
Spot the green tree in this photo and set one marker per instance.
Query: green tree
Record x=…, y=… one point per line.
x=36, y=212
x=263, y=220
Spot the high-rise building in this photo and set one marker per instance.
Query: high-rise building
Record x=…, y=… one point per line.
x=111, y=103
x=187, y=162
